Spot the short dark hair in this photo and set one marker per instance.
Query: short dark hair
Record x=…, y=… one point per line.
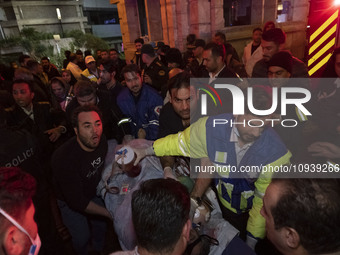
x=109, y=66
x=104, y=50
x=84, y=88
x=160, y=209
x=312, y=208
x=113, y=49
x=16, y=191
x=87, y=53
x=275, y=35
x=79, y=52
x=131, y=68
x=72, y=57
x=174, y=56
x=29, y=83
x=45, y=58
x=217, y=50
x=257, y=29
x=84, y=108
x=191, y=38
x=22, y=58
x=31, y=64
x=180, y=80
x=222, y=35
x=139, y=40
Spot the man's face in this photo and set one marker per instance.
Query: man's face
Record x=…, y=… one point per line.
x=22, y=94
x=58, y=90
x=269, y=201
x=45, y=64
x=87, y=100
x=113, y=55
x=197, y=51
x=278, y=76
x=104, y=55
x=219, y=40
x=105, y=76
x=89, y=130
x=210, y=62
x=337, y=65
x=184, y=101
x=98, y=53
x=80, y=58
x=249, y=134
x=257, y=35
x=66, y=76
x=138, y=46
x=91, y=66
x=269, y=49
x=133, y=82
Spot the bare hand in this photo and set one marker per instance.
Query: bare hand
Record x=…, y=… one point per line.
x=54, y=134
x=324, y=149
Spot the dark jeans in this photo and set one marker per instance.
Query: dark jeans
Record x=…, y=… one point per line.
x=84, y=227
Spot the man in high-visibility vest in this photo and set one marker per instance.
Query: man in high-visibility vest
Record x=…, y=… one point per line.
x=231, y=149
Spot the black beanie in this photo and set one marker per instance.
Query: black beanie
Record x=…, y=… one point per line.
x=282, y=59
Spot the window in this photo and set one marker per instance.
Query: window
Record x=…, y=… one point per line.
x=237, y=12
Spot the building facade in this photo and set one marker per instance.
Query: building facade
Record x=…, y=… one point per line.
x=172, y=20
x=44, y=16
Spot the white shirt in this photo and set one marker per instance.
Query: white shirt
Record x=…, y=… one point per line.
x=250, y=60
x=240, y=151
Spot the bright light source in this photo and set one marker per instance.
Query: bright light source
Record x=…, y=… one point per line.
x=58, y=13
x=336, y=2
x=280, y=7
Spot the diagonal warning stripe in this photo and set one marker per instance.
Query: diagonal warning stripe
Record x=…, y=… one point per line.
x=320, y=64
x=321, y=52
x=323, y=26
x=322, y=39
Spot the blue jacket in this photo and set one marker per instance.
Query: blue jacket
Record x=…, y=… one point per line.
x=144, y=112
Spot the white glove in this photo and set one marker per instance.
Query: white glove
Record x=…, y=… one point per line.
x=142, y=153
x=168, y=173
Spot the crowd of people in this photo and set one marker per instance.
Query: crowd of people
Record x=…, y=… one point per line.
x=55, y=125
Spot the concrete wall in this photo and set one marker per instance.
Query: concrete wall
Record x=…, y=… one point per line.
x=42, y=16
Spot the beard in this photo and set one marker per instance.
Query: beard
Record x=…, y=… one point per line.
x=90, y=143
